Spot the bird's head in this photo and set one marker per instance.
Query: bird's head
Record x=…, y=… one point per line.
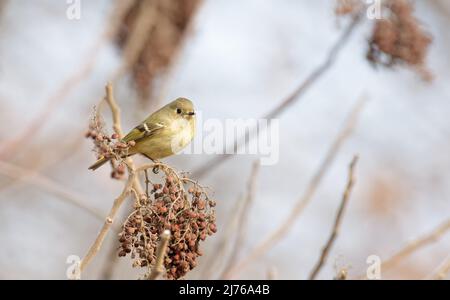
x=183, y=107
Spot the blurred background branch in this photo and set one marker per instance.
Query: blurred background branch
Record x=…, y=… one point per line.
x=283, y=229
x=303, y=87
x=48, y=185
x=17, y=143
x=242, y=220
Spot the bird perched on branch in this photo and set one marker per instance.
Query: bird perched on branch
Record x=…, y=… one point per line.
x=164, y=133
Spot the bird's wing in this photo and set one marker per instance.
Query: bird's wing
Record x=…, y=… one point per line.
x=142, y=131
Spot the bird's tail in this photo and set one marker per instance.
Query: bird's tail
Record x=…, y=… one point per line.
x=98, y=163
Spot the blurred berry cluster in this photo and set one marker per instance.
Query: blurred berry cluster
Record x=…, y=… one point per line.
x=108, y=146
x=398, y=38
x=179, y=205
x=348, y=7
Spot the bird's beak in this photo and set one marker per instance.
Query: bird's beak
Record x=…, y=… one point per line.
x=191, y=113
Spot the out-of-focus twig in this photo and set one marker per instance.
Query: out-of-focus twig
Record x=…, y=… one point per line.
x=2, y=5
x=158, y=268
x=216, y=256
x=176, y=56
x=416, y=244
x=288, y=101
x=411, y=247
x=272, y=274
x=342, y=274
x=281, y=231
x=18, y=142
x=443, y=270
x=146, y=20
x=441, y=6
x=242, y=219
x=62, y=152
x=337, y=221
x=47, y=184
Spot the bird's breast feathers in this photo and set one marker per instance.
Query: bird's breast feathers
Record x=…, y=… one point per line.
x=182, y=133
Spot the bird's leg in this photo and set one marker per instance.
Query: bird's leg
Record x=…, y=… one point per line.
x=155, y=161
x=155, y=169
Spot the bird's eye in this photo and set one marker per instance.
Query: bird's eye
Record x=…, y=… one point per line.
x=178, y=110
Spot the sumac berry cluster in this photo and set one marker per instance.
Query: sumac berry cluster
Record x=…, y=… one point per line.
x=179, y=205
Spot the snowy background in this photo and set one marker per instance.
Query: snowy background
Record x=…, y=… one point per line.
x=241, y=59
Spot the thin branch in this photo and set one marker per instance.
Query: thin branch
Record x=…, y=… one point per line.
x=115, y=110
x=93, y=250
x=443, y=270
x=294, y=97
x=2, y=6
x=411, y=247
x=337, y=222
x=283, y=229
x=158, y=268
x=145, y=22
x=117, y=126
x=242, y=218
x=415, y=245
x=47, y=184
x=112, y=257
x=64, y=152
x=221, y=247
x=108, y=268
x=18, y=142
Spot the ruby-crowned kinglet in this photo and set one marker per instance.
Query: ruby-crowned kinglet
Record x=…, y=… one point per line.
x=163, y=133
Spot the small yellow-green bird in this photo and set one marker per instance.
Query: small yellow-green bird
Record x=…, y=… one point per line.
x=164, y=133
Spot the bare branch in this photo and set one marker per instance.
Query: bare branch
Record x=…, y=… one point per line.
x=2, y=6
x=413, y=246
x=108, y=268
x=281, y=231
x=93, y=250
x=242, y=217
x=287, y=102
x=145, y=21
x=443, y=270
x=337, y=222
x=62, y=152
x=47, y=184
x=218, y=254
x=158, y=268
x=117, y=126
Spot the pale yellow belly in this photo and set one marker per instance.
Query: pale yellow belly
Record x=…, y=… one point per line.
x=167, y=142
